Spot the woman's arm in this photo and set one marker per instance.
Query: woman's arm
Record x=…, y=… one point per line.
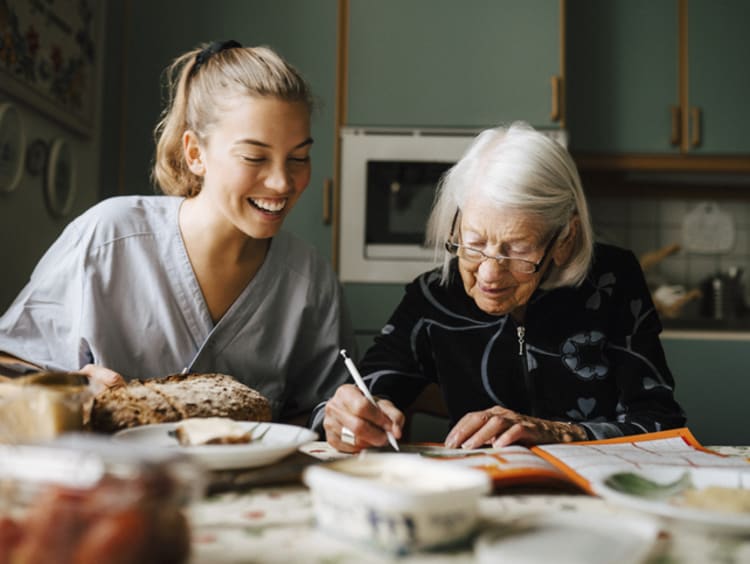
x=637, y=361
x=13, y=366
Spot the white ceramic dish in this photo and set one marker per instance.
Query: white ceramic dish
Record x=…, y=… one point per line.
x=727, y=522
x=397, y=502
x=277, y=441
x=568, y=538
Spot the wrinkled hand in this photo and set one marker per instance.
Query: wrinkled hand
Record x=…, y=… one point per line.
x=101, y=378
x=349, y=408
x=501, y=427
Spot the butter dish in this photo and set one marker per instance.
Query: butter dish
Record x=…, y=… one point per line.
x=397, y=502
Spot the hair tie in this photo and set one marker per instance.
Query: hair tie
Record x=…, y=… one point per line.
x=210, y=51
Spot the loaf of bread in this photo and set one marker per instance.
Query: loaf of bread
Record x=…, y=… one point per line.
x=174, y=398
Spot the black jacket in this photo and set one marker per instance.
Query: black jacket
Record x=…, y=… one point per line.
x=589, y=354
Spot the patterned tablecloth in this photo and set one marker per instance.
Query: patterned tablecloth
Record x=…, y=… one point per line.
x=276, y=524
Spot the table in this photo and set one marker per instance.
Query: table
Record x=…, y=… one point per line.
x=276, y=524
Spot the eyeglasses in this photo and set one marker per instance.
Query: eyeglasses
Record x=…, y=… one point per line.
x=475, y=256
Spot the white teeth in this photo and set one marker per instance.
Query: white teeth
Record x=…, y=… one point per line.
x=270, y=205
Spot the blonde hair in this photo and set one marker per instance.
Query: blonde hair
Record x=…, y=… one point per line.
x=519, y=168
x=195, y=94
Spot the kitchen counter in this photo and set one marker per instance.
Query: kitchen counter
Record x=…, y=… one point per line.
x=707, y=329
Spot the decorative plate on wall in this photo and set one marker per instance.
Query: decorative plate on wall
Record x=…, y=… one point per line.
x=12, y=147
x=36, y=157
x=60, y=181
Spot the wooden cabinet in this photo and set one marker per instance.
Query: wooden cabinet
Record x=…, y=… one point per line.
x=659, y=78
x=442, y=63
x=621, y=75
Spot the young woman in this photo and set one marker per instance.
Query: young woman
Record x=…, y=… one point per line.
x=201, y=279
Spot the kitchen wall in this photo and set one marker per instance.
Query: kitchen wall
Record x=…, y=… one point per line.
x=27, y=227
x=646, y=223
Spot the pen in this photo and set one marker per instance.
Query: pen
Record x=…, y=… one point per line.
x=363, y=388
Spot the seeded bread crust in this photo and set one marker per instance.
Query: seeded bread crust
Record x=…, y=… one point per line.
x=177, y=397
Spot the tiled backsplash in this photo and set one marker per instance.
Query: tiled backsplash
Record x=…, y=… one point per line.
x=645, y=224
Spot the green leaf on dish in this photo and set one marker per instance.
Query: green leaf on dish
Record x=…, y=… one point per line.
x=635, y=484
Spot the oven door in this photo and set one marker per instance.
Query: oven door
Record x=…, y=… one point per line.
x=399, y=200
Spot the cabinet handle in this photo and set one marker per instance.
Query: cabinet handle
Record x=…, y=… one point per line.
x=327, y=201
x=695, y=138
x=555, y=113
x=676, y=135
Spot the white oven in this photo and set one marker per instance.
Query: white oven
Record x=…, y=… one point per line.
x=388, y=182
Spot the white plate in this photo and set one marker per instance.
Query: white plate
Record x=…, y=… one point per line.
x=575, y=537
x=719, y=521
x=278, y=440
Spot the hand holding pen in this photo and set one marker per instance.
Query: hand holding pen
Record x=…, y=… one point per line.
x=347, y=435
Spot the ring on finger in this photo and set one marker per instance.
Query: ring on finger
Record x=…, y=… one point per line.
x=348, y=437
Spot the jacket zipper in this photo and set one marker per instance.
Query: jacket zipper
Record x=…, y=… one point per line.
x=529, y=381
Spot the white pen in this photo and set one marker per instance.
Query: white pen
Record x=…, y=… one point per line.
x=363, y=388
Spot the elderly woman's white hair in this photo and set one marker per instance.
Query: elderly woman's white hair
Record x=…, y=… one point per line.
x=521, y=169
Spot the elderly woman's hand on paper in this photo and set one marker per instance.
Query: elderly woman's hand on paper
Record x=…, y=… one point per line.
x=501, y=427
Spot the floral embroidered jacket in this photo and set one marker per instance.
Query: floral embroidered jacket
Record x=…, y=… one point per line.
x=589, y=354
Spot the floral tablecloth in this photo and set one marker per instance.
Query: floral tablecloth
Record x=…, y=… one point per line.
x=276, y=524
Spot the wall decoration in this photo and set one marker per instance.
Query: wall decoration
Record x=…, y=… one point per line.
x=12, y=147
x=36, y=157
x=48, y=57
x=60, y=180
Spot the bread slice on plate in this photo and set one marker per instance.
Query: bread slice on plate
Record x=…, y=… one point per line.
x=197, y=431
x=174, y=398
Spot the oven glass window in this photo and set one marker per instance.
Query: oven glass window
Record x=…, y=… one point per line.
x=399, y=199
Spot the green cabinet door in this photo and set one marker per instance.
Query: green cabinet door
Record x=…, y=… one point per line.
x=719, y=76
x=712, y=383
x=303, y=32
x=621, y=75
x=443, y=63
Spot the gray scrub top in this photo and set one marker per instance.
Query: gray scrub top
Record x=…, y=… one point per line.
x=117, y=289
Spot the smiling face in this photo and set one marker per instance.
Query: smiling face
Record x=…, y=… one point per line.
x=255, y=163
x=495, y=289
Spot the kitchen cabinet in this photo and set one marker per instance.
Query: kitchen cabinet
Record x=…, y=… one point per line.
x=713, y=387
x=718, y=80
x=666, y=78
x=621, y=74
x=370, y=306
x=441, y=63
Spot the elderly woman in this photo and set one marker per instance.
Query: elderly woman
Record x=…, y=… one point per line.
x=533, y=333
